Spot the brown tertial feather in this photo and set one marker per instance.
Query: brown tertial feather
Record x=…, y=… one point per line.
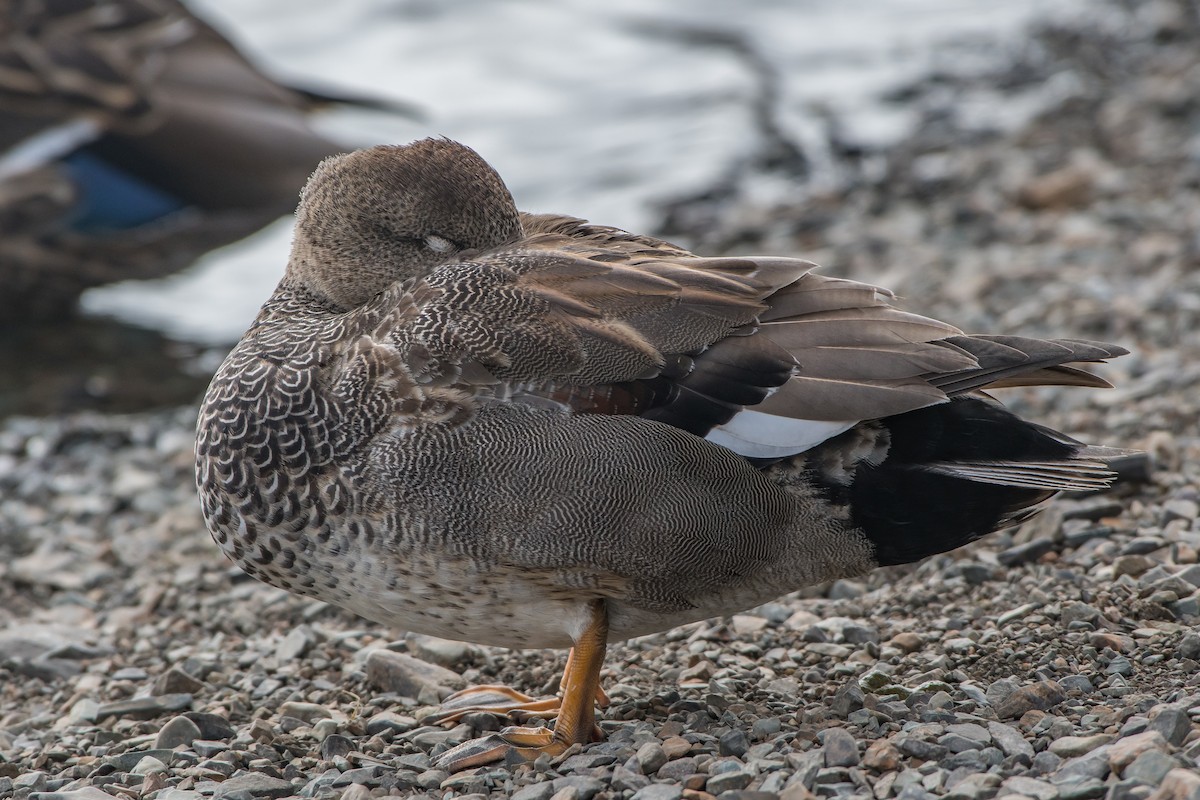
x=813, y=293
x=869, y=398
x=1060, y=375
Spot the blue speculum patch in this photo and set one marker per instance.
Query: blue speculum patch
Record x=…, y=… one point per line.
x=112, y=199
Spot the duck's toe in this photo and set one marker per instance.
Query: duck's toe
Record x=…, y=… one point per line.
x=520, y=743
x=495, y=699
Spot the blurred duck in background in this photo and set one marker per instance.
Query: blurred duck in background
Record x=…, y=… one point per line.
x=134, y=138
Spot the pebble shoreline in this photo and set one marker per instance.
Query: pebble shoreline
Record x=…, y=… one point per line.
x=1056, y=661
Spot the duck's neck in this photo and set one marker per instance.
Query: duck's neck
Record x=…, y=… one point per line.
x=293, y=303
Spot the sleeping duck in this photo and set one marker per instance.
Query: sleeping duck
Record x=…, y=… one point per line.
x=525, y=430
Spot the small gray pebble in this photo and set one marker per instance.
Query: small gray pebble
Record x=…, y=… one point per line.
x=1024, y=553
x=1000, y=690
x=365, y=776
x=1085, y=789
x=624, y=779
x=144, y=707
x=1077, y=683
x=1128, y=790
x=957, y=744
x=659, y=791
x=336, y=745
x=535, y=791
x=34, y=781
x=846, y=590
x=1150, y=767
x=914, y=793
x=678, y=769
x=765, y=727
x=651, y=757
x=726, y=781
x=255, y=784
x=841, y=750
x=1090, y=765
x=213, y=727
x=1046, y=762
x=585, y=787
x=917, y=748
x=970, y=760
x=177, y=731
x=432, y=778
x=1173, y=724
x=847, y=699
x=1009, y=740
x=733, y=743
x=1119, y=666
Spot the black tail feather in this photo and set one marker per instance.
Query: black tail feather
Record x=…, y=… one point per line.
x=910, y=511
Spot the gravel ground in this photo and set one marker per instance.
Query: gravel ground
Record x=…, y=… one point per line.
x=1056, y=661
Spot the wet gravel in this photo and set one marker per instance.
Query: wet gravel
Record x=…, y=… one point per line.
x=1055, y=661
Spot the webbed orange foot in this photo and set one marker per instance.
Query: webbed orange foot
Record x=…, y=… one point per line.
x=494, y=699
x=525, y=743
x=575, y=710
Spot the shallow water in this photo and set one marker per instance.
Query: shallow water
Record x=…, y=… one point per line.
x=600, y=112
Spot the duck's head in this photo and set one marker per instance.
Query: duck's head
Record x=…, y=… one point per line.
x=373, y=217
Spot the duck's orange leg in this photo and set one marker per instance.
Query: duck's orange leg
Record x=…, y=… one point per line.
x=576, y=722
x=501, y=699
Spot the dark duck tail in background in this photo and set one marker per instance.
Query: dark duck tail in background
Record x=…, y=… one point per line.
x=134, y=138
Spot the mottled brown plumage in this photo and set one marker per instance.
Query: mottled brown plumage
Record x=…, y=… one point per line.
x=516, y=429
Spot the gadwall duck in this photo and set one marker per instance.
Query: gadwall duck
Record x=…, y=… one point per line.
x=529, y=431
x=133, y=139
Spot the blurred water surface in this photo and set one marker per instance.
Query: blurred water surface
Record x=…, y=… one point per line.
x=597, y=110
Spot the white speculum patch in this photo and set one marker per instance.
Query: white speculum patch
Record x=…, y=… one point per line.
x=758, y=435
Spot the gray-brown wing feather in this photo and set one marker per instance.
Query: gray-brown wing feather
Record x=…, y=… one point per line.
x=542, y=313
x=576, y=305
x=1021, y=361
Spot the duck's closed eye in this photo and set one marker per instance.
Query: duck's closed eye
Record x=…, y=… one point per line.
x=439, y=244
